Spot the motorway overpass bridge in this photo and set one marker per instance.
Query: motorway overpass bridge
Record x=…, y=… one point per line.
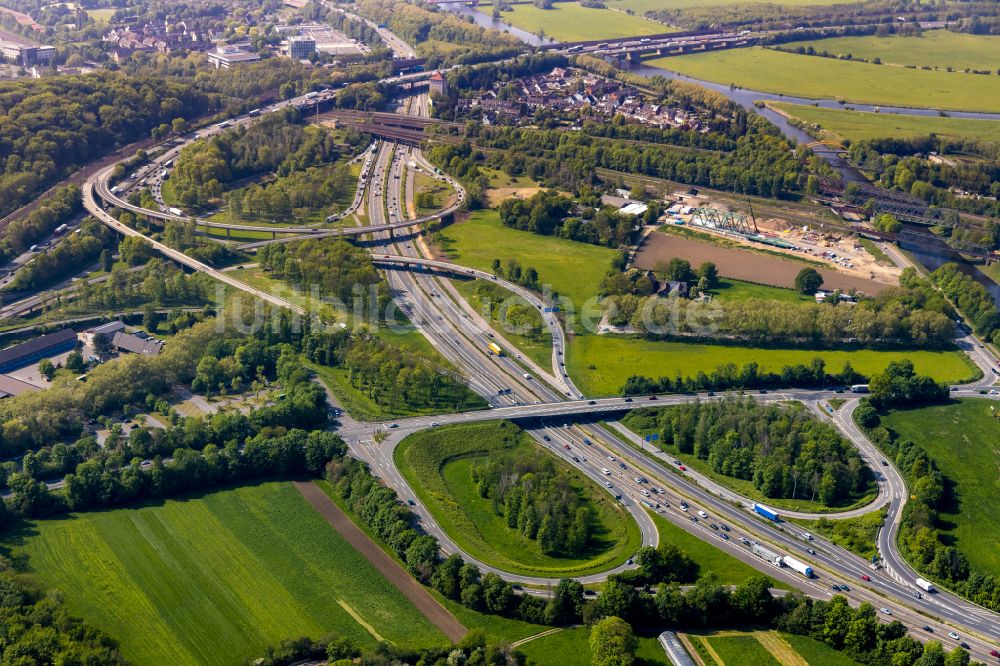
x=408, y=130
x=104, y=198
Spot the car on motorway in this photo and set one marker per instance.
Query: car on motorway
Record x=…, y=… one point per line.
x=637, y=480
x=810, y=551
x=546, y=438
x=865, y=577
x=566, y=446
x=724, y=528
x=714, y=526
x=434, y=424
x=628, y=399
x=644, y=492
x=885, y=610
x=605, y=471
x=928, y=628
x=702, y=514
x=652, y=397
x=575, y=459
x=677, y=462
x=591, y=402
x=682, y=468
x=835, y=588
x=622, y=465
x=608, y=484
x=952, y=635
x=611, y=458
x=994, y=653
x=411, y=502
x=392, y=425
x=724, y=536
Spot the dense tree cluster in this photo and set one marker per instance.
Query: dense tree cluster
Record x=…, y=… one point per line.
x=293, y=195
x=38, y=629
x=749, y=375
x=54, y=125
x=379, y=507
x=67, y=258
x=188, y=454
x=394, y=378
x=900, y=385
x=904, y=166
x=538, y=500
x=971, y=298
x=157, y=283
x=277, y=143
x=546, y=213
x=784, y=451
x=22, y=233
x=911, y=315
x=761, y=162
x=339, y=271
x=472, y=650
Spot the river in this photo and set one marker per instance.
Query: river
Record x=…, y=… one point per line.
x=927, y=257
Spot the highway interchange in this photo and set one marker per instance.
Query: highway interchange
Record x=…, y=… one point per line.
x=536, y=397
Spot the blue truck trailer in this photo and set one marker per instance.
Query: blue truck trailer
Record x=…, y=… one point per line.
x=766, y=511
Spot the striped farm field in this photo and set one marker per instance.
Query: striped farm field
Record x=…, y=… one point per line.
x=214, y=579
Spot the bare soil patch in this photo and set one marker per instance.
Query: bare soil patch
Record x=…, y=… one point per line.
x=744, y=264
x=497, y=194
x=388, y=567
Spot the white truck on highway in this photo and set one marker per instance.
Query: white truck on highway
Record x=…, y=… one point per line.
x=797, y=565
x=925, y=585
x=175, y=211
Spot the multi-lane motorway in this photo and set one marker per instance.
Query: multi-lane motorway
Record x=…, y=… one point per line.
x=539, y=402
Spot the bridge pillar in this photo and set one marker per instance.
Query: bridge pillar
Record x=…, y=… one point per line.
x=229, y=232
x=274, y=235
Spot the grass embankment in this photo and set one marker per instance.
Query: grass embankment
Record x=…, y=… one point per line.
x=214, y=579
x=744, y=487
x=439, y=189
x=873, y=249
x=571, y=22
x=600, y=364
x=728, y=569
x=840, y=125
x=571, y=647
x=934, y=48
x=826, y=78
x=437, y=464
x=961, y=437
x=537, y=348
x=857, y=535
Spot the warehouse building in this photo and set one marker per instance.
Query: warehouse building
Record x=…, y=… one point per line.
x=35, y=350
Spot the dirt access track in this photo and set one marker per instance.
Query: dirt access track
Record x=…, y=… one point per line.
x=744, y=265
x=404, y=582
